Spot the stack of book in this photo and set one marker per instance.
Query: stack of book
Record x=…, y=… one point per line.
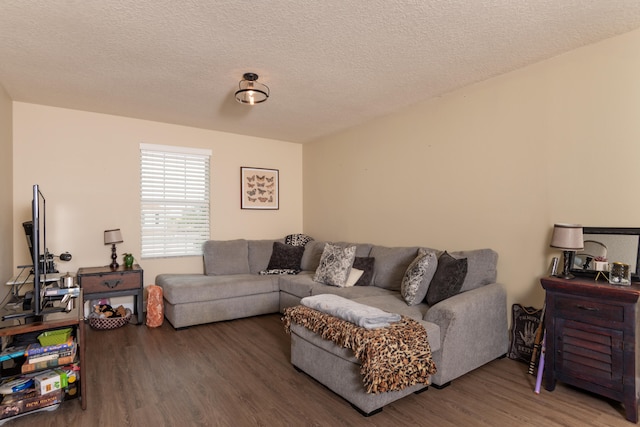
x=50, y=356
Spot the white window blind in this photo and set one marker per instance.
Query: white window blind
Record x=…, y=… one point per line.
x=174, y=196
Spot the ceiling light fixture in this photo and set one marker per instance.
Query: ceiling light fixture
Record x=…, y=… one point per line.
x=250, y=91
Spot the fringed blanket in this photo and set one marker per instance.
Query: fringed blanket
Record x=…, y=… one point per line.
x=391, y=358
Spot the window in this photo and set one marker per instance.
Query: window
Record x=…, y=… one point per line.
x=174, y=200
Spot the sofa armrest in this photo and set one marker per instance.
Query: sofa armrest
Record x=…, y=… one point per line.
x=473, y=330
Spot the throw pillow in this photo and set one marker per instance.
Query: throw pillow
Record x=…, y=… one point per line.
x=285, y=257
x=448, y=279
x=297, y=239
x=279, y=271
x=354, y=275
x=365, y=264
x=335, y=265
x=417, y=278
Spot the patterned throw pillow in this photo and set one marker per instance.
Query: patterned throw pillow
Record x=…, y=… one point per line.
x=297, y=239
x=448, y=279
x=335, y=265
x=279, y=271
x=417, y=278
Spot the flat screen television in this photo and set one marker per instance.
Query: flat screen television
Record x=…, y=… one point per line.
x=43, y=268
x=39, y=248
x=36, y=232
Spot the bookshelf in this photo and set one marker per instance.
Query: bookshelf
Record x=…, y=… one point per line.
x=13, y=328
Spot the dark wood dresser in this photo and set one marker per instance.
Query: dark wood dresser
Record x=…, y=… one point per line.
x=592, y=338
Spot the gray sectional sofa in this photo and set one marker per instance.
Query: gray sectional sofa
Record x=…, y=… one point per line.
x=465, y=330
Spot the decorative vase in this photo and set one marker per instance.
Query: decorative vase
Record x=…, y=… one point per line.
x=619, y=274
x=128, y=260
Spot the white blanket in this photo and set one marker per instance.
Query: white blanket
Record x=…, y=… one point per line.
x=362, y=315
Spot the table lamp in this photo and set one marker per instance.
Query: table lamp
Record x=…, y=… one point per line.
x=568, y=238
x=111, y=237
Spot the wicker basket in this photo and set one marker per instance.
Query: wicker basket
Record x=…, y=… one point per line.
x=109, y=322
x=59, y=336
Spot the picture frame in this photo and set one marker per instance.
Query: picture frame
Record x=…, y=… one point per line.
x=260, y=188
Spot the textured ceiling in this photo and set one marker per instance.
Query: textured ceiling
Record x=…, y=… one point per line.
x=330, y=64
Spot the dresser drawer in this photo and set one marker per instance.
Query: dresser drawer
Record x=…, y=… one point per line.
x=588, y=310
x=109, y=282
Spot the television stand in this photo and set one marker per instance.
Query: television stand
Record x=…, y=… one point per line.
x=32, y=316
x=27, y=312
x=49, y=319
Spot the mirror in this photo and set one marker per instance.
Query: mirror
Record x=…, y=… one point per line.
x=612, y=244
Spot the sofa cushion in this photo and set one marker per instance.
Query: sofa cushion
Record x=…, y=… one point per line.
x=187, y=288
x=335, y=265
x=482, y=267
x=448, y=278
x=366, y=264
x=223, y=257
x=417, y=278
x=351, y=292
x=299, y=285
x=391, y=264
x=311, y=257
x=260, y=254
x=285, y=257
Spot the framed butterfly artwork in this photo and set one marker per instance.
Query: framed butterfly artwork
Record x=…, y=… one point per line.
x=260, y=188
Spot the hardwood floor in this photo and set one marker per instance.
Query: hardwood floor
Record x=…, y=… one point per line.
x=237, y=373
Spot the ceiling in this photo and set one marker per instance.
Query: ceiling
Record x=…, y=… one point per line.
x=330, y=64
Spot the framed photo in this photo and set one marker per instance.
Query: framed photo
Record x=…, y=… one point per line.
x=259, y=188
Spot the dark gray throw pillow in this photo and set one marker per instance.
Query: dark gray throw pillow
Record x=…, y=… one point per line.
x=366, y=265
x=285, y=257
x=448, y=279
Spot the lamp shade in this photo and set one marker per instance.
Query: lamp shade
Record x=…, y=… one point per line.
x=250, y=91
x=567, y=237
x=112, y=236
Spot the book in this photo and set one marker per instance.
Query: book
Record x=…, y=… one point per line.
x=12, y=352
x=51, y=355
x=36, y=348
x=13, y=405
x=53, y=363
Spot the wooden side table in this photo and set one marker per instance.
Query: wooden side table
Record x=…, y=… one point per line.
x=103, y=282
x=592, y=338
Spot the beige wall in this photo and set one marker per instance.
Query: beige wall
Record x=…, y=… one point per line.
x=6, y=190
x=88, y=167
x=490, y=165
x=493, y=165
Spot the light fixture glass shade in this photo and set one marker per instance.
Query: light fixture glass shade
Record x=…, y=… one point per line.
x=112, y=236
x=250, y=91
